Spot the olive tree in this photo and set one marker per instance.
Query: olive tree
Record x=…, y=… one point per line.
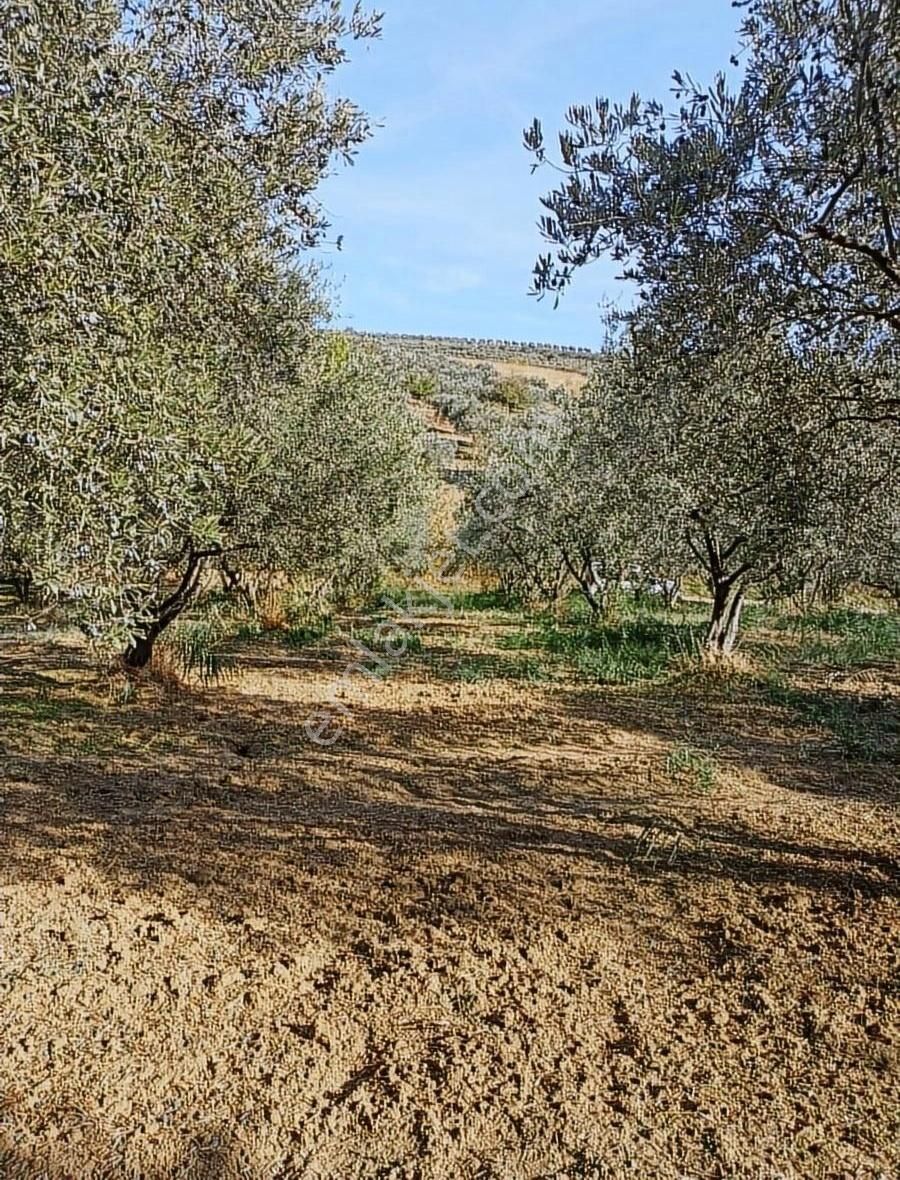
x=739, y=473
x=555, y=505
x=159, y=161
x=506, y=529
x=765, y=483
x=770, y=201
x=332, y=484
x=612, y=508
x=350, y=478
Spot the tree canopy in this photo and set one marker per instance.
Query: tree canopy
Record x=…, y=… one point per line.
x=163, y=399
x=768, y=200
x=739, y=474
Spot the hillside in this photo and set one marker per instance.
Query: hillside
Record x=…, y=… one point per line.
x=531, y=355
x=463, y=389
x=555, y=366
x=572, y=380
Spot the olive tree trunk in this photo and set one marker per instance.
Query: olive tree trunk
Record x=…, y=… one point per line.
x=595, y=593
x=727, y=585
x=139, y=652
x=728, y=601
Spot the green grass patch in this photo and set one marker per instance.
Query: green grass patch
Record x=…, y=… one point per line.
x=849, y=623
x=42, y=708
x=641, y=648
x=694, y=768
x=198, y=646
x=303, y=634
x=753, y=615
x=625, y=606
x=387, y=641
x=296, y=633
x=440, y=601
x=479, y=601
x=844, y=638
x=61, y=725
x=247, y=629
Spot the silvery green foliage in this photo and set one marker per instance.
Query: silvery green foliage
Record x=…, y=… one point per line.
x=349, y=475
x=553, y=356
x=760, y=223
x=475, y=398
x=158, y=163
x=858, y=497
x=556, y=503
x=770, y=203
x=754, y=479
x=741, y=474
x=460, y=392
x=506, y=532
x=610, y=520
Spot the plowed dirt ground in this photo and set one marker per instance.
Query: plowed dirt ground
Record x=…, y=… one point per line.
x=489, y=933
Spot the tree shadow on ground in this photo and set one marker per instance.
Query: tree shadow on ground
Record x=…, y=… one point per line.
x=795, y=749
x=459, y=665
x=443, y=816
x=864, y=727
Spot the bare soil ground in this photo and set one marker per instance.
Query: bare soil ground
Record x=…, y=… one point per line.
x=489, y=933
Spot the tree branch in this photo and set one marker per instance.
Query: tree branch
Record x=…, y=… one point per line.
x=882, y=262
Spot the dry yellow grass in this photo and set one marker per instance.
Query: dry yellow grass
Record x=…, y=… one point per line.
x=569, y=379
x=489, y=933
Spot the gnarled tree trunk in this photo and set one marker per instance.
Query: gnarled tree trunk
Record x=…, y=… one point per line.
x=139, y=652
x=728, y=601
x=727, y=587
x=594, y=591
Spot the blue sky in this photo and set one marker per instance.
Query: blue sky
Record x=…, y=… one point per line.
x=439, y=213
